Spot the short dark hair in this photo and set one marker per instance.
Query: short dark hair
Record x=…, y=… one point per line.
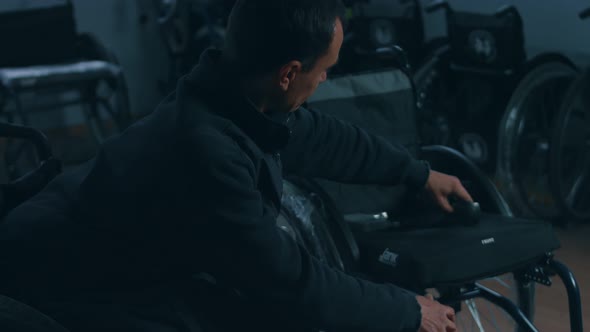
x=263, y=35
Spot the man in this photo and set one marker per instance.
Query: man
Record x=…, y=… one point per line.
x=194, y=190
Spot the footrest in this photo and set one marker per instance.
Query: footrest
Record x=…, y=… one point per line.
x=424, y=258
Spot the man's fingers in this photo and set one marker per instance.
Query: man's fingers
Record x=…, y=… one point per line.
x=429, y=296
x=451, y=314
x=451, y=327
x=443, y=202
x=462, y=193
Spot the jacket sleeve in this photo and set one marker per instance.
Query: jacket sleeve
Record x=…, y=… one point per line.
x=261, y=261
x=326, y=147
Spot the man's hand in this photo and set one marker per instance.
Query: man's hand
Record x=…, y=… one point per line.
x=435, y=316
x=441, y=185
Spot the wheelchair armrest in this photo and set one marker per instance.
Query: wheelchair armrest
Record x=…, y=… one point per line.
x=507, y=10
x=451, y=161
x=16, y=192
x=27, y=133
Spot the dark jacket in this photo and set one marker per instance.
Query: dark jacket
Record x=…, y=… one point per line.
x=195, y=187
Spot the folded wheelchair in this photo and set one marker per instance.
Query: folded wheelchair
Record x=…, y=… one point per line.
x=487, y=270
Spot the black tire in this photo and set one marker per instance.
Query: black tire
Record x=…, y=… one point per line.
x=570, y=152
x=524, y=138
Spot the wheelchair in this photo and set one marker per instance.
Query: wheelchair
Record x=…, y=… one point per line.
x=465, y=83
x=480, y=93
x=487, y=272
x=48, y=65
x=569, y=152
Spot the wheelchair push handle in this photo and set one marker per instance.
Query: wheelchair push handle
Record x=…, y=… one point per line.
x=166, y=10
x=506, y=10
x=437, y=5
x=31, y=134
x=584, y=14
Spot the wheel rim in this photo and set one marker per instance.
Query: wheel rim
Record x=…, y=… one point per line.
x=570, y=153
x=525, y=139
x=303, y=218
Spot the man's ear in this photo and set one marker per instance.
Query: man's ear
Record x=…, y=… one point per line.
x=288, y=73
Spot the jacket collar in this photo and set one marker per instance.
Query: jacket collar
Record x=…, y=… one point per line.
x=212, y=82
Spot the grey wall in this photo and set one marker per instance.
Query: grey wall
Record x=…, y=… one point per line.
x=138, y=47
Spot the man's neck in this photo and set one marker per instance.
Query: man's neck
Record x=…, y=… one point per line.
x=256, y=96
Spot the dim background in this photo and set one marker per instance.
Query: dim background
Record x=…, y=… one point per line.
x=130, y=30
x=549, y=26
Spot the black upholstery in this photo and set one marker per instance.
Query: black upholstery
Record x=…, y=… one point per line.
x=18, y=317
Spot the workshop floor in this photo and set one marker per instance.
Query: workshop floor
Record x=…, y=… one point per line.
x=552, y=307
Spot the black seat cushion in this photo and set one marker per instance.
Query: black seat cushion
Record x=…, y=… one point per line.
x=436, y=256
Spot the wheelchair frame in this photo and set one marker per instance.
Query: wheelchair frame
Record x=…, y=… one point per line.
x=441, y=157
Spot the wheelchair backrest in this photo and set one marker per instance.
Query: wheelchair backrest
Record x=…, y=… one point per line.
x=382, y=23
x=382, y=103
x=37, y=32
x=487, y=41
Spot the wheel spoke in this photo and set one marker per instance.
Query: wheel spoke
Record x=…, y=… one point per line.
x=474, y=314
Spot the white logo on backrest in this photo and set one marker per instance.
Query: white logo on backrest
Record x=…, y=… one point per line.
x=488, y=241
x=389, y=258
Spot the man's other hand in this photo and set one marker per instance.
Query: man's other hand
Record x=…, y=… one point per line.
x=441, y=185
x=435, y=316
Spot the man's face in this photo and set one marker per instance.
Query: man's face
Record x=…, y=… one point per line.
x=304, y=84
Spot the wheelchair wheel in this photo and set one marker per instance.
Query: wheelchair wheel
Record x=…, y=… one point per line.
x=570, y=152
x=524, y=139
x=310, y=217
